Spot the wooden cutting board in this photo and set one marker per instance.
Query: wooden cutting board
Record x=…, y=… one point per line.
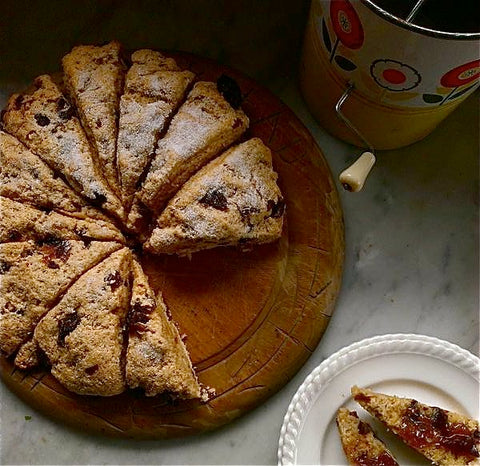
x=251, y=319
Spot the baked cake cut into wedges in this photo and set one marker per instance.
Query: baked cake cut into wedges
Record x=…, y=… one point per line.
x=21, y=222
x=33, y=275
x=154, y=88
x=83, y=336
x=26, y=178
x=94, y=80
x=442, y=436
x=205, y=125
x=157, y=359
x=43, y=119
x=359, y=442
x=234, y=200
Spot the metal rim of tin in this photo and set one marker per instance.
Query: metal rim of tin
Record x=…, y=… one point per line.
x=420, y=29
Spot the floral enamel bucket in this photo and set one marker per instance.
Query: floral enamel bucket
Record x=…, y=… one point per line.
x=395, y=80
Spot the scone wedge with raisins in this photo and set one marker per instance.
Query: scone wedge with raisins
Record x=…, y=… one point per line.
x=34, y=275
x=234, y=200
x=205, y=125
x=157, y=359
x=94, y=79
x=154, y=88
x=21, y=222
x=442, y=436
x=83, y=336
x=26, y=178
x=359, y=442
x=43, y=120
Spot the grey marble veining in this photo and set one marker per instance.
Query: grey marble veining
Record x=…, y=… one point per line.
x=411, y=234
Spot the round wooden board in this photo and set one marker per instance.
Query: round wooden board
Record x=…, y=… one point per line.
x=251, y=319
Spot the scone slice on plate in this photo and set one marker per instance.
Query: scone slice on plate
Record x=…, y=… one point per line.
x=234, y=200
x=442, y=436
x=21, y=222
x=44, y=120
x=359, y=442
x=83, y=336
x=157, y=359
x=34, y=275
x=154, y=88
x=94, y=80
x=204, y=126
x=26, y=178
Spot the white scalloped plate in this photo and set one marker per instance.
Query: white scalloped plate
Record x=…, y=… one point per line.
x=425, y=368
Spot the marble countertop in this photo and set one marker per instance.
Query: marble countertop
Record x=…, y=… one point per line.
x=411, y=235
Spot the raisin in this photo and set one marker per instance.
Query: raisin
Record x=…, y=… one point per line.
x=138, y=318
x=98, y=199
x=215, y=199
x=64, y=109
x=363, y=428
x=236, y=123
x=17, y=104
x=4, y=267
x=42, y=120
x=54, y=248
x=14, y=235
x=66, y=326
x=98, y=123
x=113, y=280
x=277, y=208
x=230, y=90
x=92, y=369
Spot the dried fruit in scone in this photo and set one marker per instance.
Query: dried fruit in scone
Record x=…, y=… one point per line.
x=94, y=80
x=157, y=359
x=25, y=177
x=205, y=125
x=359, y=442
x=33, y=275
x=234, y=200
x=21, y=222
x=154, y=88
x=83, y=336
x=43, y=119
x=442, y=436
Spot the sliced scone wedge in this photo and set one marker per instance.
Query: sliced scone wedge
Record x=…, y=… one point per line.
x=359, y=442
x=94, y=78
x=22, y=222
x=154, y=88
x=234, y=200
x=34, y=275
x=83, y=336
x=442, y=436
x=157, y=359
x=43, y=119
x=26, y=178
x=205, y=125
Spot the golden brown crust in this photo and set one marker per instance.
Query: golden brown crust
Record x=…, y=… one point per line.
x=44, y=120
x=83, y=335
x=154, y=88
x=233, y=200
x=94, y=80
x=204, y=125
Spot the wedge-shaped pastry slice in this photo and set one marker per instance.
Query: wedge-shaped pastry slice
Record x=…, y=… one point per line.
x=43, y=119
x=154, y=88
x=157, y=359
x=21, y=222
x=83, y=335
x=444, y=437
x=32, y=278
x=359, y=442
x=94, y=80
x=233, y=200
x=25, y=177
x=205, y=125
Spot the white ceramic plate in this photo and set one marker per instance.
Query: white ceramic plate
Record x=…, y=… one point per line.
x=430, y=370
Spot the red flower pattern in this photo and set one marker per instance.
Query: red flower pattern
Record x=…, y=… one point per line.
x=461, y=75
x=346, y=24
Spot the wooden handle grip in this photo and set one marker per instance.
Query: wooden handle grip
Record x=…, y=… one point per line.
x=353, y=178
